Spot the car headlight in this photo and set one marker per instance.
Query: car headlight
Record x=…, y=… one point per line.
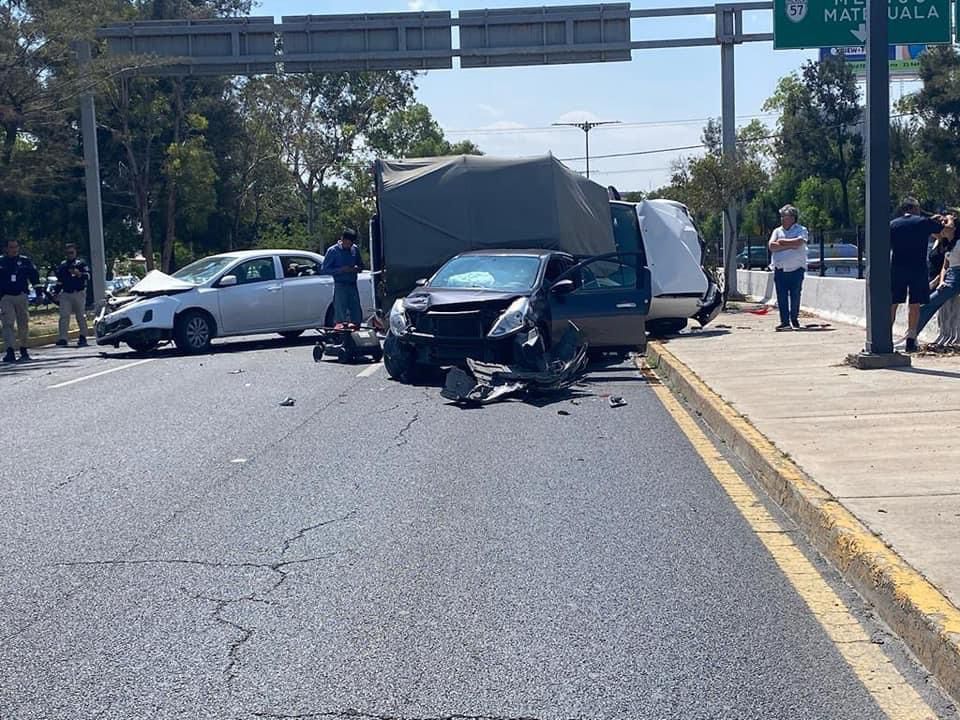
x=513, y=319
x=398, y=318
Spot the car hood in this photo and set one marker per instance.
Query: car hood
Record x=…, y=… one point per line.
x=158, y=283
x=426, y=298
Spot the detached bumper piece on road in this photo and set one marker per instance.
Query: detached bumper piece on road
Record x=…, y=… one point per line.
x=490, y=382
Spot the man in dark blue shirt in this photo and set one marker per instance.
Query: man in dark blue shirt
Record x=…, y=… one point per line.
x=343, y=261
x=72, y=277
x=909, y=240
x=17, y=274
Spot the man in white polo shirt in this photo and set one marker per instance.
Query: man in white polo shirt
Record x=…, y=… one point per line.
x=788, y=255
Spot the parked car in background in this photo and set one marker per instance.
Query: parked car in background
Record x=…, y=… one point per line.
x=241, y=293
x=492, y=305
x=759, y=258
x=840, y=259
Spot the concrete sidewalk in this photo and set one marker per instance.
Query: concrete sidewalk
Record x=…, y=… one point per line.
x=884, y=443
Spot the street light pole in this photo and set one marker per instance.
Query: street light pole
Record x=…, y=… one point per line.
x=587, y=126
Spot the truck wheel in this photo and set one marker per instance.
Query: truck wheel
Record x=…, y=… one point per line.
x=193, y=332
x=664, y=328
x=399, y=361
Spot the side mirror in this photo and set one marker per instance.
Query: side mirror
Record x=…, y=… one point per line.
x=563, y=287
x=421, y=282
x=228, y=281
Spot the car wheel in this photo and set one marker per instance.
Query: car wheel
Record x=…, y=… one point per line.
x=142, y=344
x=291, y=334
x=664, y=328
x=193, y=332
x=399, y=361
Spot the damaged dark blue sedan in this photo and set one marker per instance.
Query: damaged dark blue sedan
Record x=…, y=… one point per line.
x=510, y=306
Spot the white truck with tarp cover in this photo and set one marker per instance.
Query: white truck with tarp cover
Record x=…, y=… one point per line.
x=431, y=209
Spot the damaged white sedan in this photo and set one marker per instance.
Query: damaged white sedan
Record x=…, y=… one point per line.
x=241, y=293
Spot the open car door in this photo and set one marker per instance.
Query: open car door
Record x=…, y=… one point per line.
x=607, y=297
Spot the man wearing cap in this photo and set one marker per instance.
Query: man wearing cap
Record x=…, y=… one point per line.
x=343, y=261
x=788, y=255
x=909, y=240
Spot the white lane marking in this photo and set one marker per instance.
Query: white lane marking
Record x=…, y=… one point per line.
x=98, y=374
x=368, y=371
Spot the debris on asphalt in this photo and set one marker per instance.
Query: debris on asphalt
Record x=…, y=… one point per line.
x=617, y=401
x=558, y=370
x=562, y=412
x=288, y=402
x=236, y=372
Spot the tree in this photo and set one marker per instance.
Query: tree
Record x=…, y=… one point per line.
x=320, y=119
x=820, y=125
x=711, y=183
x=412, y=132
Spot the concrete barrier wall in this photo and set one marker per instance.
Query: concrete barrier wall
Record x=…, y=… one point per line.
x=833, y=298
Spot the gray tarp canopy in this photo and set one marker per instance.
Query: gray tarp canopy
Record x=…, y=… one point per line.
x=431, y=209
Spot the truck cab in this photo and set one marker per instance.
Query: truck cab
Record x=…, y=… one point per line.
x=662, y=235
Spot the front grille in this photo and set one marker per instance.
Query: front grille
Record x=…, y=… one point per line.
x=105, y=328
x=458, y=326
x=450, y=325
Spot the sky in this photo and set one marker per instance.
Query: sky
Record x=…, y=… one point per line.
x=662, y=98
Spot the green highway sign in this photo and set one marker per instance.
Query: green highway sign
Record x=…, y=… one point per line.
x=843, y=23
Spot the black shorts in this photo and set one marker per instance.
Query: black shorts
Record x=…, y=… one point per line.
x=910, y=282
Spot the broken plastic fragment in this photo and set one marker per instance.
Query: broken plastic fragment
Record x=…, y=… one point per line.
x=617, y=401
x=288, y=402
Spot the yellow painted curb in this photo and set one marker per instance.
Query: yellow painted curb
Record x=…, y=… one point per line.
x=914, y=609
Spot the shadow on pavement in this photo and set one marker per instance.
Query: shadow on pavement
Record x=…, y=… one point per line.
x=225, y=347
x=928, y=371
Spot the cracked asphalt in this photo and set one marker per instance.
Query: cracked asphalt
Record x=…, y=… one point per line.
x=177, y=545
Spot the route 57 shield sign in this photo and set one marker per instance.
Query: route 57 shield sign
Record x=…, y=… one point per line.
x=796, y=10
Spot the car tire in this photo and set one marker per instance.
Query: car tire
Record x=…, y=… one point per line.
x=399, y=361
x=291, y=334
x=193, y=332
x=667, y=327
x=143, y=345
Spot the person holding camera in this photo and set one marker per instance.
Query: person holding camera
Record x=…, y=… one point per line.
x=72, y=277
x=948, y=285
x=909, y=239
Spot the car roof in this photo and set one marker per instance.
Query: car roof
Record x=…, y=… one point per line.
x=242, y=254
x=531, y=252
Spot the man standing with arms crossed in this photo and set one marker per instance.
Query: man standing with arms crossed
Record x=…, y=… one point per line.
x=909, y=240
x=72, y=277
x=343, y=261
x=17, y=274
x=788, y=255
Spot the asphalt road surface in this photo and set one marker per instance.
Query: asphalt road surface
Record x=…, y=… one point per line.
x=176, y=544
